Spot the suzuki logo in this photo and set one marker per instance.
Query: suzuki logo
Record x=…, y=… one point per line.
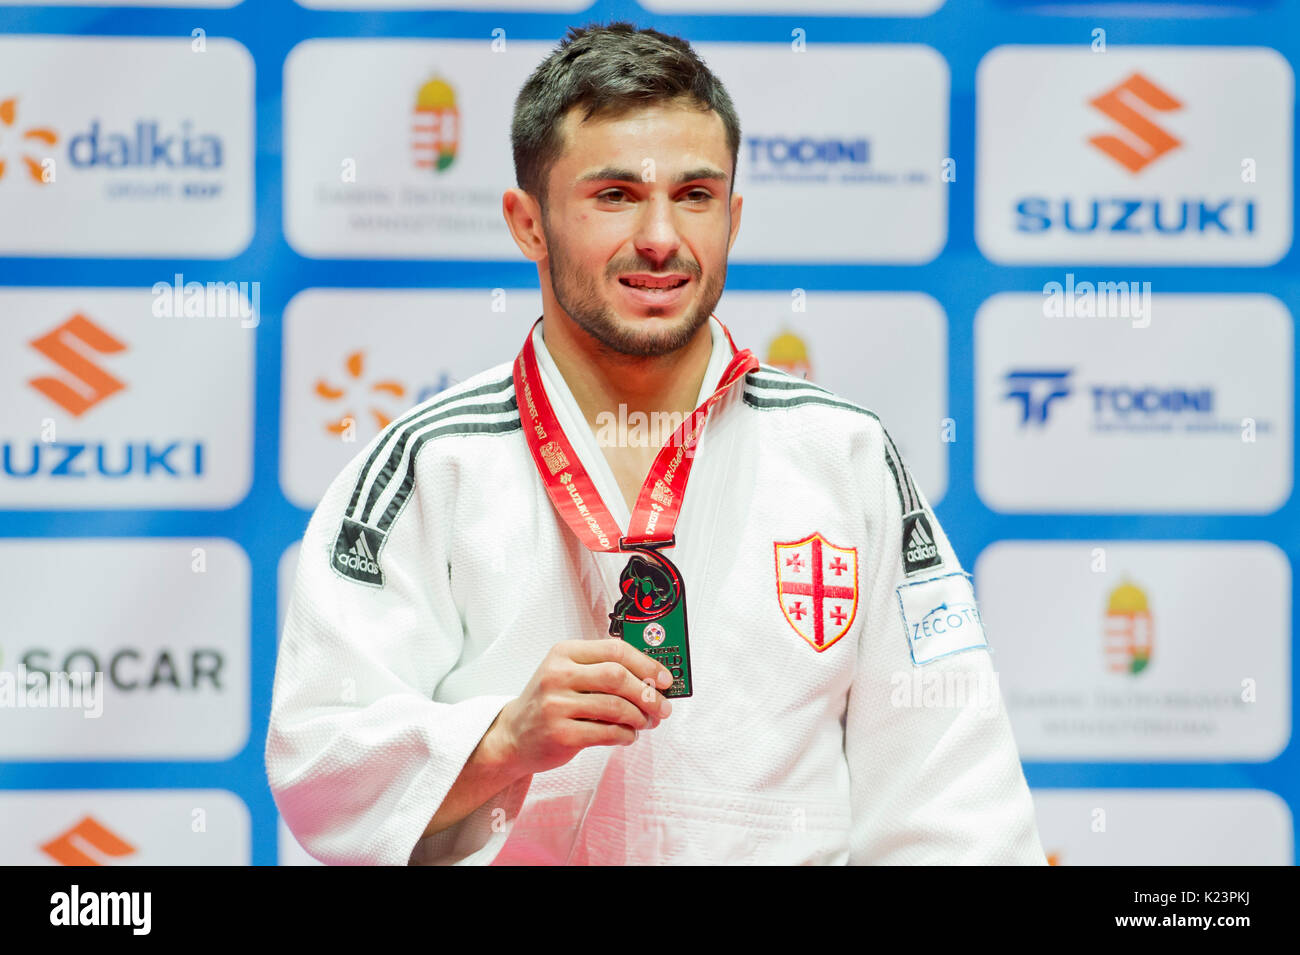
x=1121, y=104
x=96, y=384
x=64, y=849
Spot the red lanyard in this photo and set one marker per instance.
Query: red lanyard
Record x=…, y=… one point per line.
x=569, y=485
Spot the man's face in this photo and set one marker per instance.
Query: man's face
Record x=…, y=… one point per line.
x=641, y=200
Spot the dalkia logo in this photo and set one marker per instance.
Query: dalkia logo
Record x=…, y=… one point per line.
x=354, y=369
x=148, y=145
x=82, y=386
x=435, y=126
x=1128, y=631
x=29, y=137
x=789, y=353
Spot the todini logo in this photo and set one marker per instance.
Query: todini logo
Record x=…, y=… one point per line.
x=1036, y=389
x=808, y=151
x=1120, y=105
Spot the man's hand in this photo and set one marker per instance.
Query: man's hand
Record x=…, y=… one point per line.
x=584, y=693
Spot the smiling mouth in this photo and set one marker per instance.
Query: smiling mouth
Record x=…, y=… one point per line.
x=663, y=286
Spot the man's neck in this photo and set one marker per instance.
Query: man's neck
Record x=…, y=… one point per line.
x=601, y=380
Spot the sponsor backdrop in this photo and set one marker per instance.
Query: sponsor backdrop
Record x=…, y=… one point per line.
x=1054, y=252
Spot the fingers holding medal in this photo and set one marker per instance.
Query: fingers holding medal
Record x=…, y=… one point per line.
x=584, y=693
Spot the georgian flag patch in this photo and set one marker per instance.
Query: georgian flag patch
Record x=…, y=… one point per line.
x=940, y=617
x=817, y=587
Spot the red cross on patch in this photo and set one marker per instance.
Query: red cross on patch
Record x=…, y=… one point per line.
x=817, y=586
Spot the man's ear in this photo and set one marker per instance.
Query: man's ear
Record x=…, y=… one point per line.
x=736, y=202
x=523, y=215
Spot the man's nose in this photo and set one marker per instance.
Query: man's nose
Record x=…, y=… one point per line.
x=656, y=229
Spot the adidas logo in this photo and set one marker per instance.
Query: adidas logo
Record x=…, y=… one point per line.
x=920, y=546
x=358, y=557
x=919, y=550
x=357, y=560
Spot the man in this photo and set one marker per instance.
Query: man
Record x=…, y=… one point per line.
x=448, y=690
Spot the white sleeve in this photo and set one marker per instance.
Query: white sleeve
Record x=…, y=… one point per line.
x=358, y=755
x=935, y=775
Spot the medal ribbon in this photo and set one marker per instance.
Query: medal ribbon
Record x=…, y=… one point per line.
x=571, y=488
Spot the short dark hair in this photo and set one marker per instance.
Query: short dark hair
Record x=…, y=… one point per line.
x=610, y=70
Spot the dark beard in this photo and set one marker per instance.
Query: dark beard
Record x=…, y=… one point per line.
x=580, y=298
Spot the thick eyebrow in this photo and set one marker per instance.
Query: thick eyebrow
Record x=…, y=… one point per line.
x=627, y=175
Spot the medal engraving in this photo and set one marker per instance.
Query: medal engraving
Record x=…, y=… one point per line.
x=651, y=615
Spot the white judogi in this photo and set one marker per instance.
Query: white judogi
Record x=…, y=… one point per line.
x=435, y=574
